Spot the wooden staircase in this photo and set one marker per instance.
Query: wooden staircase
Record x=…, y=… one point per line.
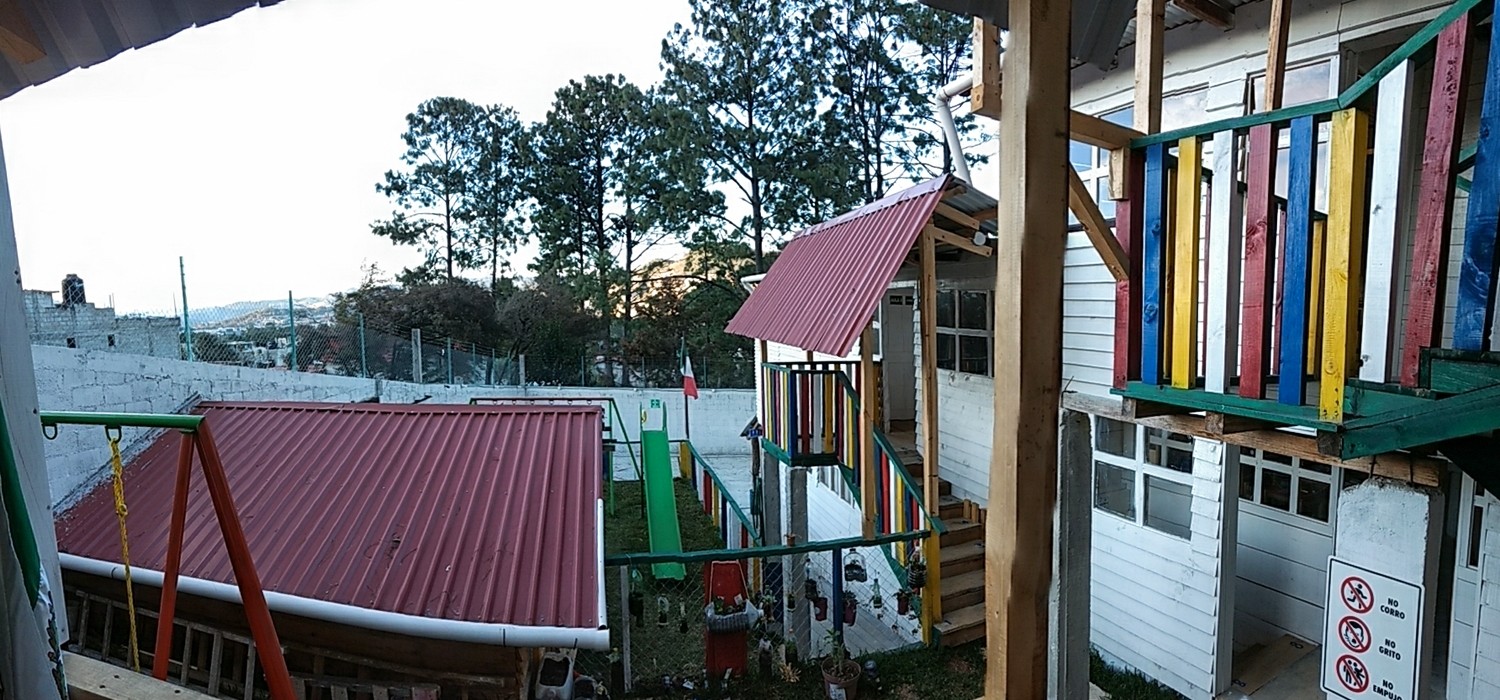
x=961, y=554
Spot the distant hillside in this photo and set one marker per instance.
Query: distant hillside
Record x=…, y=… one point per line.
x=254, y=314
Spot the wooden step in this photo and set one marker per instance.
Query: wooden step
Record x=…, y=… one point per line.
x=962, y=625
x=950, y=508
x=961, y=530
x=963, y=590
x=962, y=558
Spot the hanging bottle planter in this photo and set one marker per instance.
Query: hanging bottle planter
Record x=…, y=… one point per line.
x=791, y=601
x=916, y=575
x=810, y=588
x=663, y=607
x=820, y=608
x=854, y=568
x=723, y=617
x=876, y=601
x=903, y=602
x=637, y=606
x=851, y=610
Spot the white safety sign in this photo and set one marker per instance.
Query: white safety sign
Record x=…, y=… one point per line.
x=1372, y=634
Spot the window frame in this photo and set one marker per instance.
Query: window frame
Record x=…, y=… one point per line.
x=1334, y=480
x=1144, y=471
x=956, y=331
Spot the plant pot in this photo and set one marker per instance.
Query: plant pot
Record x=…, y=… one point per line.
x=729, y=622
x=820, y=609
x=851, y=611
x=841, y=681
x=903, y=603
x=916, y=576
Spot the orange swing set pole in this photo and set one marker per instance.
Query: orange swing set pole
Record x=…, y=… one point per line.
x=162, y=659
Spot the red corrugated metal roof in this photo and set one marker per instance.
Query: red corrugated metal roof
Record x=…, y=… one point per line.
x=824, y=287
x=473, y=513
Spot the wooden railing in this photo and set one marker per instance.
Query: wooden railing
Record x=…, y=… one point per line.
x=1316, y=310
x=736, y=529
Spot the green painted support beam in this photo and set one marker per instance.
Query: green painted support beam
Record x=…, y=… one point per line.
x=1464, y=415
x=1447, y=371
x=52, y=419
x=1362, y=398
x=1229, y=404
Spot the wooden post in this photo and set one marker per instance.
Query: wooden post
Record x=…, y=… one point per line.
x=1028, y=344
x=1227, y=226
x=1150, y=17
x=868, y=398
x=1184, y=353
x=1073, y=520
x=1474, y=318
x=1297, y=265
x=984, y=97
x=1348, y=155
x=932, y=599
x=1388, y=185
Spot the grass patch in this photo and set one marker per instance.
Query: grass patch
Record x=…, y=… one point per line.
x=1126, y=685
x=625, y=530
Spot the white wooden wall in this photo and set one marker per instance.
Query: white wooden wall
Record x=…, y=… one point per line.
x=1486, y=652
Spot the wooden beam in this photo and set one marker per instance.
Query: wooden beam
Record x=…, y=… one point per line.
x=1344, y=266
x=1209, y=11
x=986, y=214
x=18, y=39
x=955, y=240
x=947, y=211
x=1226, y=226
x=1119, y=173
x=1416, y=469
x=1153, y=264
x=1389, y=176
x=1184, y=355
x=1098, y=229
x=932, y=601
x=1429, y=265
x=1281, y=24
x=1296, y=271
x=1028, y=350
x=1137, y=409
x=984, y=97
x=1150, y=17
x=1459, y=416
x=1474, y=318
x=1127, y=337
x=868, y=399
x=1098, y=132
x=1226, y=423
x=1260, y=261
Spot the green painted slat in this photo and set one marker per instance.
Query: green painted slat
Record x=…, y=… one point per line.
x=1458, y=416
x=1231, y=404
x=1370, y=398
x=52, y=419
x=759, y=552
x=1457, y=372
x=1419, y=42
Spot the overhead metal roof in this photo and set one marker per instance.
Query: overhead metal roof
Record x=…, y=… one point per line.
x=470, y=513
x=824, y=286
x=81, y=33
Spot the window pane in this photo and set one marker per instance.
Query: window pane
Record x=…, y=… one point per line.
x=1276, y=457
x=1115, y=437
x=1106, y=205
x=1184, y=109
x=1179, y=460
x=1476, y=530
x=1312, y=499
x=973, y=310
x=1081, y=155
x=945, y=309
x=974, y=354
x=947, y=351
x=1302, y=85
x=1114, y=489
x=1123, y=117
x=1318, y=467
x=1169, y=506
x=1247, y=481
x=1275, y=489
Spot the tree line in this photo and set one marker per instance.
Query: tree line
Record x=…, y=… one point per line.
x=648, y=204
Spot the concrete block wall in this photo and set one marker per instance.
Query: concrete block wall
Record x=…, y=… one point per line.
x=84, y=380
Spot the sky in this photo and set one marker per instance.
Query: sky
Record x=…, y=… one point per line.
x=251, y=147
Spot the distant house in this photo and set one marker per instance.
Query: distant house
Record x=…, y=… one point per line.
x=75, y=323
x=414, y=548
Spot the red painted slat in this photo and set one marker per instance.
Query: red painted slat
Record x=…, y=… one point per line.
x=1424, y=319
x=1260, y=235
x=1128, y=294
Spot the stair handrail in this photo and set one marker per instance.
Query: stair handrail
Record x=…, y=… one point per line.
x=724, y=493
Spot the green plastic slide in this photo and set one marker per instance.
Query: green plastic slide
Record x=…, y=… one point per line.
x=661, y=501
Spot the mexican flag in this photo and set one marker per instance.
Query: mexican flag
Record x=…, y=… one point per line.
x=689, y=382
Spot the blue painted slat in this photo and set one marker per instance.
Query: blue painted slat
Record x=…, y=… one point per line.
x=1291, y=339
x=1476, y=279
x=1153, y=263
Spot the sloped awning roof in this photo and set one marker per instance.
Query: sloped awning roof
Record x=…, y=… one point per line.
x=824, y=287
x=473, y=514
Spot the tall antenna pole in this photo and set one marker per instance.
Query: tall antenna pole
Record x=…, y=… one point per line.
x=187, y=326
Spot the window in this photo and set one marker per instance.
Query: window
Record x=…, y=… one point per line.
x=1178, y=110
x=833, y=479
x=1476, y=535
x=964, y=340
x=72, y=342
x=1154, y=464
x=1114, y=489
x=1292, y=485
x=111, y=339
x=1303, y=84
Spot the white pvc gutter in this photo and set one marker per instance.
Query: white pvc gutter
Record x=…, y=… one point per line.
x=496, y=634
x=941, y=106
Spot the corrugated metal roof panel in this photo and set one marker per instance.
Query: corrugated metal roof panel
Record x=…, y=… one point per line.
x=473, y=513
x=81, y=33
x=824, y=287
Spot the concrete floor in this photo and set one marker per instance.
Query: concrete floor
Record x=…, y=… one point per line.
x=1302, y=681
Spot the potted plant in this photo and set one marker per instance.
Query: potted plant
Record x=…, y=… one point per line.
x=840, y=673
x=851, y=609
x=729, y=616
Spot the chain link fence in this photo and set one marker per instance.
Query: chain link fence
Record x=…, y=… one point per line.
x=304, y=335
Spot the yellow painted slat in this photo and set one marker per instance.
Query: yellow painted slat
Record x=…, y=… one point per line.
x=1344, y=257
x=1184, y=358
x=1315, y=298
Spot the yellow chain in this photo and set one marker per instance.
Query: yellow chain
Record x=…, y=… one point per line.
x=118, y=466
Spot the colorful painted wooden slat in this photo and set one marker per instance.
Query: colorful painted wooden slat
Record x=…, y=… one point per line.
x=1474, y=318
x=1128, y=292
x=1189, y=191
x=1225, y=241
x=1297, y=268
x=1260, y=247
x=1440, y=148
x=1348, y=159
x=1153, y=263
x=1315, y=296
x=1389, y=175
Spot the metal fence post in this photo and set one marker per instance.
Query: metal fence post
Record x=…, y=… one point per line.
x=448, y=353
x=364, y=358
x=522, y=380
x=836, y=612
x=187, y=325
x=625, y=621
x=291, y=319
x=416, y=356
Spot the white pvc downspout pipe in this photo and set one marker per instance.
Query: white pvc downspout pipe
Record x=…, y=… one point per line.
x=941, y=105
x=496, y=634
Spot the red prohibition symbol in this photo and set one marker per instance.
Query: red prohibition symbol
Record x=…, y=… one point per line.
x=1355, y=634
x=1357, y=594
x=1352, y=674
